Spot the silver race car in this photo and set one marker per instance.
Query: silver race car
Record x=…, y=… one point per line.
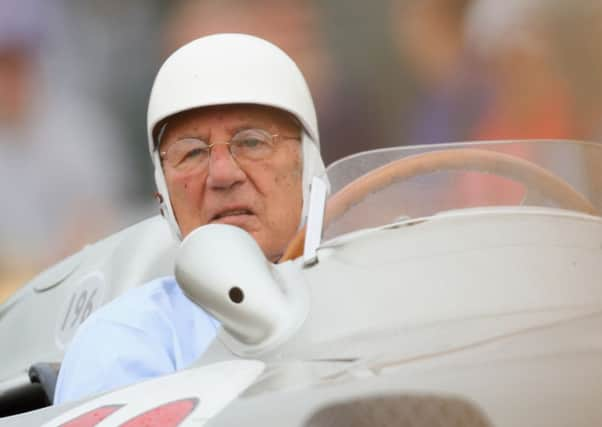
x=442, y=285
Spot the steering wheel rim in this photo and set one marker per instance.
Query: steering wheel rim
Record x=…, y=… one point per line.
x=465, y=159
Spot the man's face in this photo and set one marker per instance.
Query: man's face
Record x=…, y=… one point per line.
x=263, y=197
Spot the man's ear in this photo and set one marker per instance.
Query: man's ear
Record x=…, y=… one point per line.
x=159, y=197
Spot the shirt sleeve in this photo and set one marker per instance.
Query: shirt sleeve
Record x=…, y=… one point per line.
x=105, y=355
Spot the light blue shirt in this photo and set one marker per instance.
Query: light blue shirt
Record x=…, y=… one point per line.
x=149, y=331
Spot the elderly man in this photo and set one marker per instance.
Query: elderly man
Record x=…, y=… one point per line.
x=234, y=140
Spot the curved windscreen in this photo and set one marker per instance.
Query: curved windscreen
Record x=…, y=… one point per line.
x=380, y=187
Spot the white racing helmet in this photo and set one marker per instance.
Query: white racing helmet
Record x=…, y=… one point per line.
x=224, y=69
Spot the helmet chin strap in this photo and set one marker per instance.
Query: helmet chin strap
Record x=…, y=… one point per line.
x=313, y=165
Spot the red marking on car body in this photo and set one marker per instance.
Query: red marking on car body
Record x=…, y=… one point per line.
x=168, y=415
x=93, y=417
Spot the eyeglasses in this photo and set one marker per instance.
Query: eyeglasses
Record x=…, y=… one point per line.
x=189, y=154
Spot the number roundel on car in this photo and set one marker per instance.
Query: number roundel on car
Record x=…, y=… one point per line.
x=84, y=299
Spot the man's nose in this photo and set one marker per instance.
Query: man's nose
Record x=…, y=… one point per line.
x=224, y=172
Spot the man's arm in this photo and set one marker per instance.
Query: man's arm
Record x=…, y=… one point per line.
x=106, y=355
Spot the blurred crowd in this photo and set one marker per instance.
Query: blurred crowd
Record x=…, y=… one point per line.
x=75, y=76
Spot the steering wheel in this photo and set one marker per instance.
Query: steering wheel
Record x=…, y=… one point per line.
x=534, y=177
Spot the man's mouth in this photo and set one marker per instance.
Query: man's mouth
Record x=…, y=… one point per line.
x=231, y=213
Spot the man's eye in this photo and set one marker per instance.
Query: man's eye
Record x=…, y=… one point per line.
x=195, y=152
x=192, y=154
x=252, y=139
x=252, y=142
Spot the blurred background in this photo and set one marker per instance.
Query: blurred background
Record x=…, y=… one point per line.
x=75, y=77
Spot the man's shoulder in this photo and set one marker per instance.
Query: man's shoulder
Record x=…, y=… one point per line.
x=155, y=301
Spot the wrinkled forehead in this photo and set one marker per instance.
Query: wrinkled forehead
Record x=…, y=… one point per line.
x=231, y=117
